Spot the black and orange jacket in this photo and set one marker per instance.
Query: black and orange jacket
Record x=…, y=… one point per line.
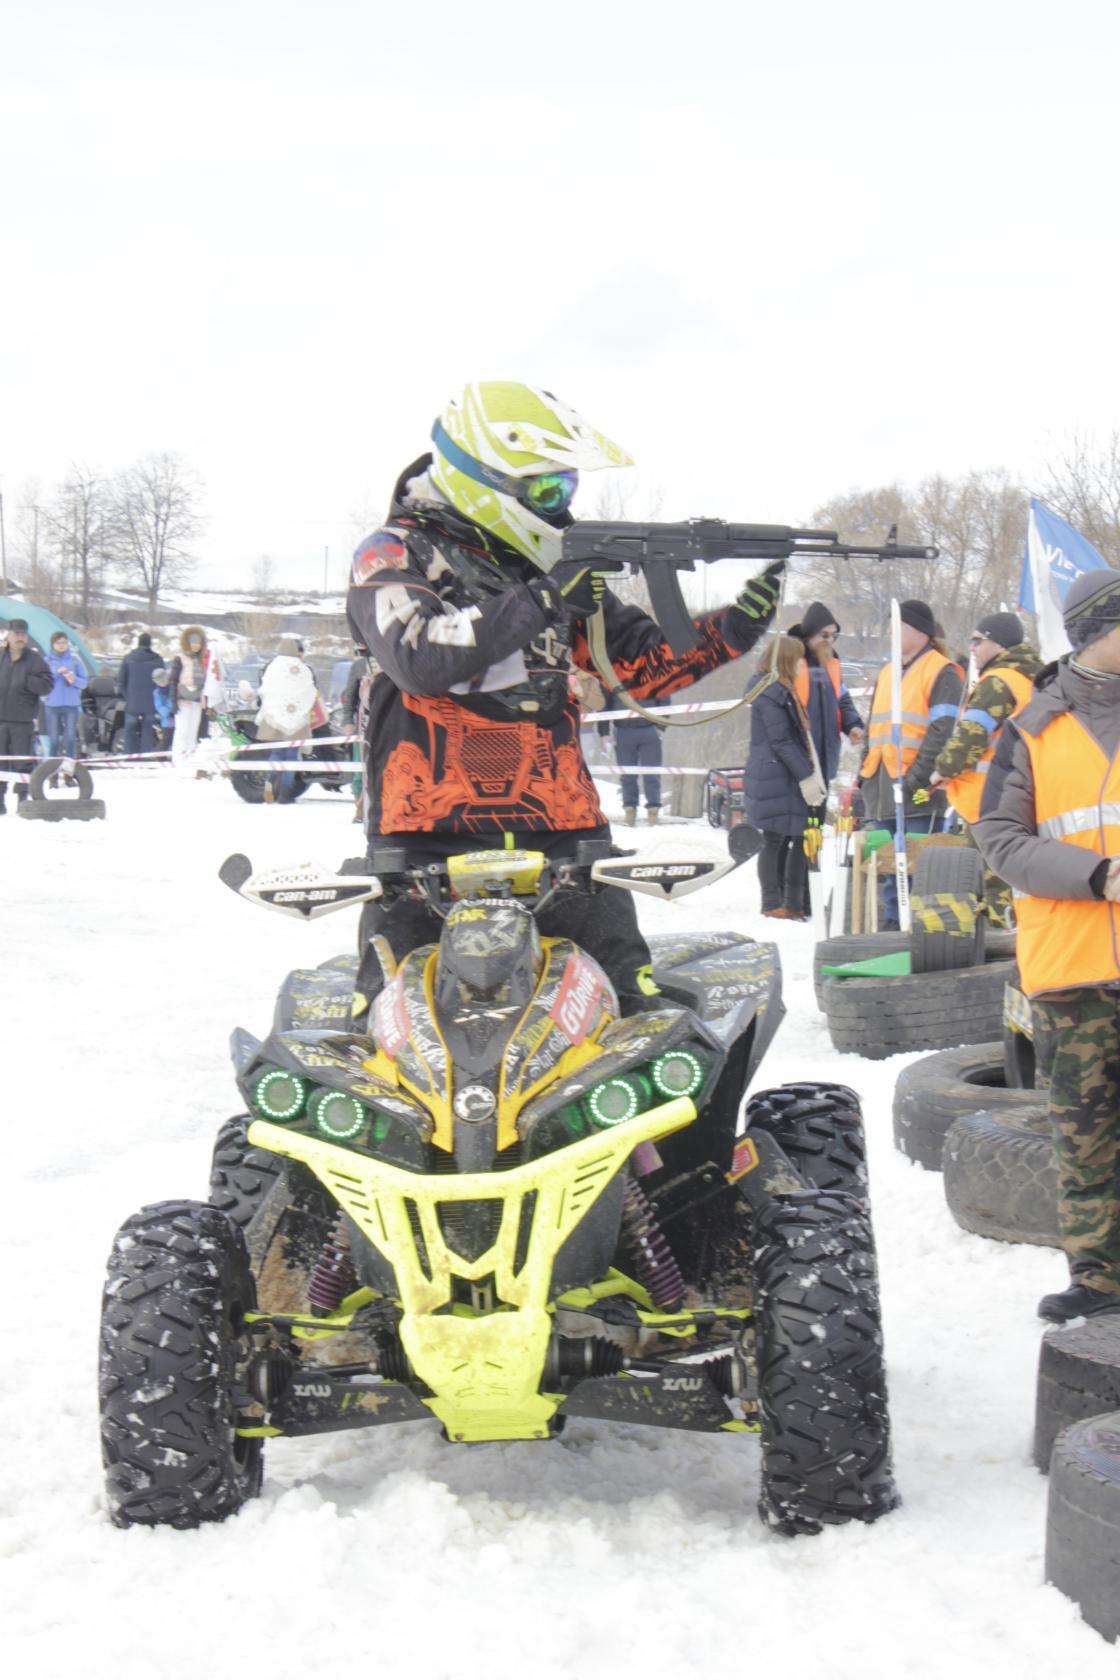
x=472, y=729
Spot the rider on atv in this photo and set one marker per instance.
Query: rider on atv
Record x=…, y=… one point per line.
x=474, y=620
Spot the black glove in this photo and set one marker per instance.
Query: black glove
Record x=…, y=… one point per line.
x=758, y=599
x=580, y=587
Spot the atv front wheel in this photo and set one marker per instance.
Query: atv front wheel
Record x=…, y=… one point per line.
x=819, y=1127
x=174, y=1349
x=240, y=1175
x=826, y=1454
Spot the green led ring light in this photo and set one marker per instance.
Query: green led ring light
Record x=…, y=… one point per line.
x=279, y=1095
x=678, y=1073
x=337, y=1115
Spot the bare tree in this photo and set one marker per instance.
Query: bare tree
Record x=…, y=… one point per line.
x=978, y=522
x=156, y=522
x=29, y=557
x=863, y=587
x=1083, y=485
x=262, y=578
x=76, y=524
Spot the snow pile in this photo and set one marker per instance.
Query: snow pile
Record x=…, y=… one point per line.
x=613, y=1550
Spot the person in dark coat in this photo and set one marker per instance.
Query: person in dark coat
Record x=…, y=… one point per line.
x=134, y=685
x=820, y=687
x=783, y=785
x=25, y=680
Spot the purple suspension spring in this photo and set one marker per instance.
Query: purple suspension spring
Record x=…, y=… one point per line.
x=334, y=1276
x=653, y=1258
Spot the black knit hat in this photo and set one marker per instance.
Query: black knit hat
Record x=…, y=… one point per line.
x=1092, y=607
x=815, y=617
x=144, y=640
x=1006, y=628
x=18, y=625
x=919, y=616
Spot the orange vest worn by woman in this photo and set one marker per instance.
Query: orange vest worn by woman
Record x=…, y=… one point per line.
x=1071, y=941
x=917, y=685
x=966, y=790
x=801, y=685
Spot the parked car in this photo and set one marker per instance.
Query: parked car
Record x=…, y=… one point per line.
x=247, y=670
x=101, y=720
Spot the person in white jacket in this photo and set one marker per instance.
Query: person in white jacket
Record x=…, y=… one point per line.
x=194, y=682
x=290, y=708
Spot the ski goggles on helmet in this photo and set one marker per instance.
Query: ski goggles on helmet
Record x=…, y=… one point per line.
x=546, y=493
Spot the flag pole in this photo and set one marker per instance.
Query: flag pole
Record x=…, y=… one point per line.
x=902, y=878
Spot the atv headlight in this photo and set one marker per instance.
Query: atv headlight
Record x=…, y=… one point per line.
x=279, y=1095
x=616, y=1100
x=337, y=1115
x=678, y=1073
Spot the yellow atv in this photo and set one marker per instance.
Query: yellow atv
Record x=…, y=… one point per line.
x=499, y=1205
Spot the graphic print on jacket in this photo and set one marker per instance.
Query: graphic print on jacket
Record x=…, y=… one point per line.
x=472, y=729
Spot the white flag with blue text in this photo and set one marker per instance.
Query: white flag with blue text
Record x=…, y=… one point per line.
x=1055, y=554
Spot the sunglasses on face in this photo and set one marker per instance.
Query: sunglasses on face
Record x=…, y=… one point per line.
x=548, y=493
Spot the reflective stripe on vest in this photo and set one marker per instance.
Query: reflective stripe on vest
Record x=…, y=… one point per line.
x=917, y=685
x=967, y=790
x=1071, y=941
x=1084, y=820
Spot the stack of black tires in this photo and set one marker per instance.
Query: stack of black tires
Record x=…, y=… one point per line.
x=959, y=967
x=1077, y=1443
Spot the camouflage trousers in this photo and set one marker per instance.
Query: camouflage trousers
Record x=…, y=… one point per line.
x=997, y=894
x=1080, y=1030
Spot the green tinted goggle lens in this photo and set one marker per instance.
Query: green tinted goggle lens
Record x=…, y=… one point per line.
x=550, y=492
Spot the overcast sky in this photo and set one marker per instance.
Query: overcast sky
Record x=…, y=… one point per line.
x=775, y=252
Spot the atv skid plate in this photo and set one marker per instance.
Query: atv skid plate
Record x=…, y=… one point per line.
x=687, y=1390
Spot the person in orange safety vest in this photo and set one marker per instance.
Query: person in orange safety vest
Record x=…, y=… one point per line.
x=1049, y=824
x=1007, y=665
x=931, y=693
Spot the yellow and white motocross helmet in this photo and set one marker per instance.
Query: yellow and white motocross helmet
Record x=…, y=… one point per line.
x=509, y=456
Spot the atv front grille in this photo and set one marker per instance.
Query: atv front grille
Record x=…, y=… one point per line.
x=470, y=1228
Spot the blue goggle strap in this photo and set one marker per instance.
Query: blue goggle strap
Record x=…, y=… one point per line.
x=478, y=470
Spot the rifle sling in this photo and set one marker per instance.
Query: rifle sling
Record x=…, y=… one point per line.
x=600, y=658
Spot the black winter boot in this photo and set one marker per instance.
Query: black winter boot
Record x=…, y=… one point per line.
x=1080, y=1300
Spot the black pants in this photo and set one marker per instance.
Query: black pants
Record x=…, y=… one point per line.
x=783, y=873
x=16, y=739
x=604, y=923
x=139, y=732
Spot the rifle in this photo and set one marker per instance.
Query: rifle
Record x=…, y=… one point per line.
x=661, y=551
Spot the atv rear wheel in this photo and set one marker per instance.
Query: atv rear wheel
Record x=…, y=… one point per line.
x=259, y=787
x=822, y=1387
x=173, y=1353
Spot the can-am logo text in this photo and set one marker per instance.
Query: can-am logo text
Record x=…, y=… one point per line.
x=663, y=871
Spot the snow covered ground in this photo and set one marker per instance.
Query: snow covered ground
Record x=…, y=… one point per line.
x=125, y=965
